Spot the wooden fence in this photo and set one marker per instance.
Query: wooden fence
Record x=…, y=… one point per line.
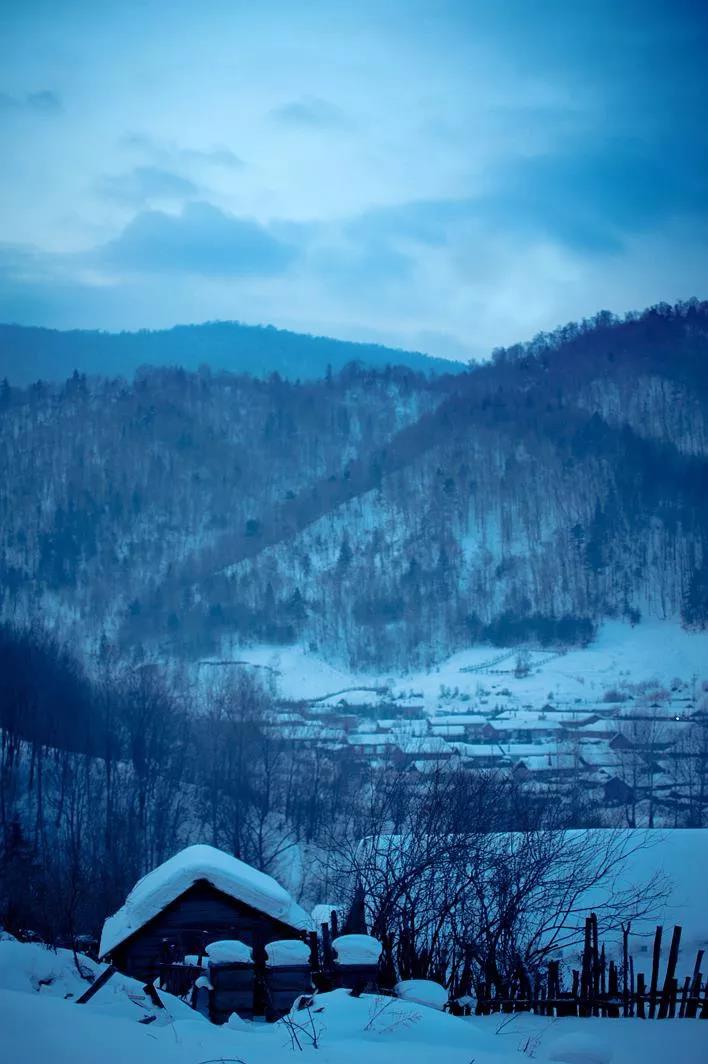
x=604, y=988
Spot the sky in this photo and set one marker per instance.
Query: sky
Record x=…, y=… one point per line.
x=440, y=176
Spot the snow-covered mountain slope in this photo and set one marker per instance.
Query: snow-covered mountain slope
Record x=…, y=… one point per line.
x=621, y=656
x=381, y=517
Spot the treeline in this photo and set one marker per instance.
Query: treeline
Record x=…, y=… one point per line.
x=103, y=778
x=28, y=353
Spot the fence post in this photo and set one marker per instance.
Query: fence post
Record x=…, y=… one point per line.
x=694, y=1000
x=655, y=973
x=585, y=978
x=668, y=998
x=595, y=966
x=576, y=991
x=625, y=966
x=641, y=989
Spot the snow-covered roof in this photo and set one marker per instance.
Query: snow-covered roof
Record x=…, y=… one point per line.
x=160, y=887
x=427, y=744
x=371, y=739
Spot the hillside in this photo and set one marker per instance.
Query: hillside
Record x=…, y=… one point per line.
x=28, y=354
x=383, y=518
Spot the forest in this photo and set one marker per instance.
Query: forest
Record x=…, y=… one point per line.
x=382, y=517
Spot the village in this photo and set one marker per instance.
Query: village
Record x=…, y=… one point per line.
x=626, y=756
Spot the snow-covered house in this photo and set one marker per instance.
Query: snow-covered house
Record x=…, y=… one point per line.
x=198, y=896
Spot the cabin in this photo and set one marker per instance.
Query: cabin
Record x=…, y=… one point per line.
x=618, y=792
x=198, y=896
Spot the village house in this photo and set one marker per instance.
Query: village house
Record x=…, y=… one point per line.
x=199, y=896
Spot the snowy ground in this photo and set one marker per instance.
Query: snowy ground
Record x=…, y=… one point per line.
x=621, y=654
x=38, y=1022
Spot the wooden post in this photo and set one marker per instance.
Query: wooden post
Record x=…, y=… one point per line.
x=641, y=989
x=669, y=982
x=314, y=950
x=692, y=1006
x=96, y=985
x=335, y=924
x=656, y=957
x=613, y=991
x=704, y=1009
x=553, y=985
x=576, y=991
x=327, y=955
x=595, y=966
x=586, y=973
x=625, y=968
x=153, y=995
x=684, y=997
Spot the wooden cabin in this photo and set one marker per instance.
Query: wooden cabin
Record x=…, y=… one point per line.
x=198, y=896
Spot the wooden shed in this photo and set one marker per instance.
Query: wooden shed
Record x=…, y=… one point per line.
x=198, y=896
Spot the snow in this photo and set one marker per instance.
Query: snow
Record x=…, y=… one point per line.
x=580, y=1049
x=322, y=913
x=652, y=650
x=33, y=968
x=357, y=949
x=680, y=855
x=287, y=952
x=44, y=1026
x=423, y=992
x=229, y=875
x=229, y=951
x=194, y=959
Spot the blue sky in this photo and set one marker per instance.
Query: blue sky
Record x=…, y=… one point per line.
x=436, y=175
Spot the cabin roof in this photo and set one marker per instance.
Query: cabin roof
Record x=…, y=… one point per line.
x=155, y=891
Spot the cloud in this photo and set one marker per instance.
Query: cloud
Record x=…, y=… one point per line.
x=429, y=222
x=310, y=112
x=218, y=155
x=44, y=102
x=145, y=183
x=201, y=240
x=592, y=198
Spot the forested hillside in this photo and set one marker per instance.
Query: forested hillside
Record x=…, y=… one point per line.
x=383, y=517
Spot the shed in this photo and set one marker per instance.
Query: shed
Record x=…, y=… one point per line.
x=198, y=896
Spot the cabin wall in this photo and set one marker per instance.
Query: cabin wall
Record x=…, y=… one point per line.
x=199, y=916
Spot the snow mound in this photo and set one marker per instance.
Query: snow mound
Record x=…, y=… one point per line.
x=357, y=949
x=45, y=974
x=33, y=966
x=287, y=952
x=423, y=992
x=229, y=875
x=229, y=951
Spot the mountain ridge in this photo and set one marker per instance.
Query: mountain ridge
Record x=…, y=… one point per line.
x=29, y=353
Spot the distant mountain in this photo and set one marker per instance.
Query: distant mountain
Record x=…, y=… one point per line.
x=381, y=517
x=28, y=354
